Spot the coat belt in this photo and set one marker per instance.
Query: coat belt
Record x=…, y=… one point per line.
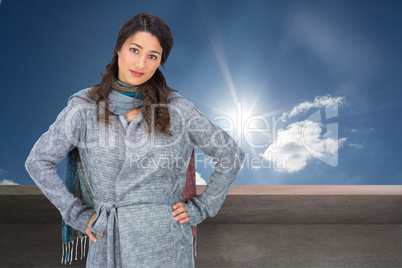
x=106, y=219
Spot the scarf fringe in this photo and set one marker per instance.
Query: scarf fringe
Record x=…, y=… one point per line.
x=67, y=254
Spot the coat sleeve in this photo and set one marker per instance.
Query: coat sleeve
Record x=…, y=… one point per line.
x=62, y=136
x=215, y=142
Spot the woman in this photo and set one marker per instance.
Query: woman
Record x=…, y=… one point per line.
x=135, y=136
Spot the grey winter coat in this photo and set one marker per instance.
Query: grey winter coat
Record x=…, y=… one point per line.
x=135, y=178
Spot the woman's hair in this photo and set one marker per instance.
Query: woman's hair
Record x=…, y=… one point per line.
x=155, y=90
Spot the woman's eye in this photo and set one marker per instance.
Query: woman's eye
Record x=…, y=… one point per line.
x=153, y=57
x=134, y=50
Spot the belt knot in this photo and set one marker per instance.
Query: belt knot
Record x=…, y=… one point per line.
x=105, y=213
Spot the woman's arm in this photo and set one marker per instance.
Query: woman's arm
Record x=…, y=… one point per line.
x=217, y=143
x=63, y=135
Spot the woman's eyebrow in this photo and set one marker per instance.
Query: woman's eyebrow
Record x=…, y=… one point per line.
x=154, y=51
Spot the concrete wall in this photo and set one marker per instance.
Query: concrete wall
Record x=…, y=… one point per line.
x=257, y=226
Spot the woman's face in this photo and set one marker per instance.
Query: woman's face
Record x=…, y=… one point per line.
x=138, y=58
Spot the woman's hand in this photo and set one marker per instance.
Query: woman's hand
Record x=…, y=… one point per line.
x=88, y=231
x=181, y=212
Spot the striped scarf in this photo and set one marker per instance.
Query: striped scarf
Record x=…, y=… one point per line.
x=77, y=184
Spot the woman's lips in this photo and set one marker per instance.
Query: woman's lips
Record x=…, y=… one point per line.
x=136, y=73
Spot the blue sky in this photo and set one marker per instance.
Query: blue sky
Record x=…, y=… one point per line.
x=317, y=82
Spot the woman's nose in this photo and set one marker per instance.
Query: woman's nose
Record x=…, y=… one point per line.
x=140, y=63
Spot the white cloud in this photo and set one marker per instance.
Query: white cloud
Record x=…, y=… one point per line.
x=4, y=181
x=300, y=142
x=199, y=180
x=319, y=102
x=8, y=182
x=357, y=146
